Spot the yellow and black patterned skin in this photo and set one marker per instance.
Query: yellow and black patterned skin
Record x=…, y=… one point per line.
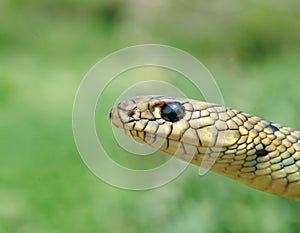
x=257, y=152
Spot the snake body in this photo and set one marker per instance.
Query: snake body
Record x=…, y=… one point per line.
x=254, y=151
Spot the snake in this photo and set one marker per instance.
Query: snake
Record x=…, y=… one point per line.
x=254, y=151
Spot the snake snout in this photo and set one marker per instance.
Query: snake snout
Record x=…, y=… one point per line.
x=113, y=115
x=110, y=113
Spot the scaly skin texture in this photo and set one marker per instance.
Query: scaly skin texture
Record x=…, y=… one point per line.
x=259, y=153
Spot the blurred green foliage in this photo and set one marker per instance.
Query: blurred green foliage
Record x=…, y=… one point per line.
x=46, y=47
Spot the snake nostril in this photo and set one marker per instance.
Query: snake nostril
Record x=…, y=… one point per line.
x=131, y=112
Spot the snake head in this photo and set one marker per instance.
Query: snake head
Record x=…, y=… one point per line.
x=163, y=121
x=159, y=121
x=155, y=115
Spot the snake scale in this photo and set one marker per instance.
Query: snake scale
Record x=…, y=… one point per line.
x=254, y=151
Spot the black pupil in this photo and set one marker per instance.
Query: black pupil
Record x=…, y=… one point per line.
x=172, y=112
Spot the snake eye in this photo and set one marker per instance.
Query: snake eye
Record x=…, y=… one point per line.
x=172, y=112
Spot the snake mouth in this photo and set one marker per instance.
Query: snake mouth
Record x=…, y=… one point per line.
x=168, y=145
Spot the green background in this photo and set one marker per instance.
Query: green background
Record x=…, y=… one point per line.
x=46, y=47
